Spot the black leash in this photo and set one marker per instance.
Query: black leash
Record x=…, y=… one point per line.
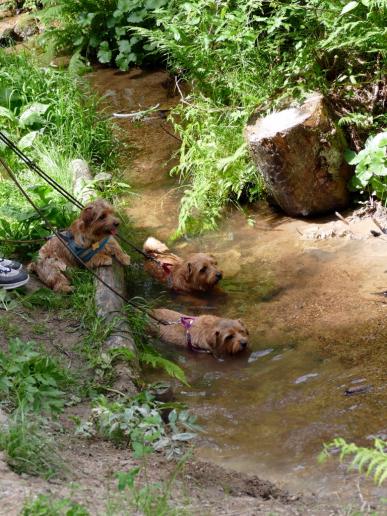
x=64, y=243
x=59, y=188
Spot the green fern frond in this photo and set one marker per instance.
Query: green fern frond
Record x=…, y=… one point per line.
x=155, y=360
x=371, y=461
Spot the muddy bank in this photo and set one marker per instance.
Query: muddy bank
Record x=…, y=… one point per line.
x=200, y=488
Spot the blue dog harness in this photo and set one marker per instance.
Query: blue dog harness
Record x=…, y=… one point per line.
x=85, y=254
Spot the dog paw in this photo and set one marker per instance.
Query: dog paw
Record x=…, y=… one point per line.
x=124, y=259
x=63, y=289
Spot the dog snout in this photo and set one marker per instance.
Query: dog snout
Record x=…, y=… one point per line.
x=219, y=276
x=116, y=223
x=243, y=344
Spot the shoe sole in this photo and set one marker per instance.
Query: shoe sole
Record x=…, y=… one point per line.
x=16, y=285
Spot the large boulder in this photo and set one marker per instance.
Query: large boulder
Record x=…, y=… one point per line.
x=300, y=153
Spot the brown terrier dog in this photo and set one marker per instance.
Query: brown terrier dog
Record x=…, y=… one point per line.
x=198, y=272
x=206, y=333
x=91, y=239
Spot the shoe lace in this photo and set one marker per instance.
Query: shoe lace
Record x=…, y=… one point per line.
x=5, y=269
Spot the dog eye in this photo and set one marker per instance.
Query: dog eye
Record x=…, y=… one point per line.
x=228, y=337
x=102, y=216
x=203, y=269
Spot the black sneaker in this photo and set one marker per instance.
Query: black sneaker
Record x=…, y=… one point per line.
x=10, y=263
x=11, y=278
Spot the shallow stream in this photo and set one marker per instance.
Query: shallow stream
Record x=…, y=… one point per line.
x=316, y=326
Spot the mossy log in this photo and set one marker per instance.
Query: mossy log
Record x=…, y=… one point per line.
x=109, y=305
x=300, y=153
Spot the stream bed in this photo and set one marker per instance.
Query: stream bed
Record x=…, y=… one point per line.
x=317, y=325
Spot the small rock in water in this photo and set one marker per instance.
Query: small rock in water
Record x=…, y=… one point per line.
x=305, y=378
x=212, y=376
x=193, y=394
x=259, y=354
x=359, y=380
x=358, y=389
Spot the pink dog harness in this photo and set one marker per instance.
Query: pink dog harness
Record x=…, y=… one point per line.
x=187, y=322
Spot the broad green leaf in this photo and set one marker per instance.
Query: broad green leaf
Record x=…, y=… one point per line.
x=6, y=113
x=349, y=7
x=33, y=114
x=104, y=53
x=154, y=4
x=27, y=141
x=135, y=17
x=184, y=436
x=380, y=140
x=349, y=155
x=124, y=46
x=126, y=5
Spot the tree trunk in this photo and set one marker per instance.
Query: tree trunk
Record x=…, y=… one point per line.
x=300, y=153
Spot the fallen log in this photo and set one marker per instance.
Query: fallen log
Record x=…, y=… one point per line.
x=110, y=308
x=300, y=153
x=109, y=305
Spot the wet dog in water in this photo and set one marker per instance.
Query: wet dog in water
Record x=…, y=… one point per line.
x=206, y=333
x=198, y=272
x=90, y=237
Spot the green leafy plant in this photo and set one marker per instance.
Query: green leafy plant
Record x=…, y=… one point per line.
x=31, y=379
x=371, y=166
x=28, y=447
x=54, y=118
x=253, y=55
x=139, y=423
x=149, y=498
x=101, y=29
x=44, y=505
x=371, y=461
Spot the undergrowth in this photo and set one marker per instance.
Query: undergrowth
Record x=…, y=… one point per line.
x=244, y=56
x=100, y=29
x=32, y=389
x=54, y=118
x=142, y=423
x=371, y=461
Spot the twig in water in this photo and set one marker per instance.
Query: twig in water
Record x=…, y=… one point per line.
x=382, y=229
x=338, y=215
x=112, y=390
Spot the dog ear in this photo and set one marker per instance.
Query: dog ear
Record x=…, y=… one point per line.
x=88, y=215
x=215, y=339
x=188, y=271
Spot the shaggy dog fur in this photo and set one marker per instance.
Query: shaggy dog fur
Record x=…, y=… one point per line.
x=95, y=223
x=209, y=333
x=198, y=272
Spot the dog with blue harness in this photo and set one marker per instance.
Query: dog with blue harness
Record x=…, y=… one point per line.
x=89, y=240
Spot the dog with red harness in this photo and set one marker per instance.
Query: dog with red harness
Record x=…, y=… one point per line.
x=198, y=272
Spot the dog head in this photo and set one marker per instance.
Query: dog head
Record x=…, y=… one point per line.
x=98, y=220
x=201, y=271
x=228, y=336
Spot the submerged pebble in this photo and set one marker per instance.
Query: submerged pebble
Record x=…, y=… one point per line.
x=358, y=389
x=259, y=354
x=305, y=378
